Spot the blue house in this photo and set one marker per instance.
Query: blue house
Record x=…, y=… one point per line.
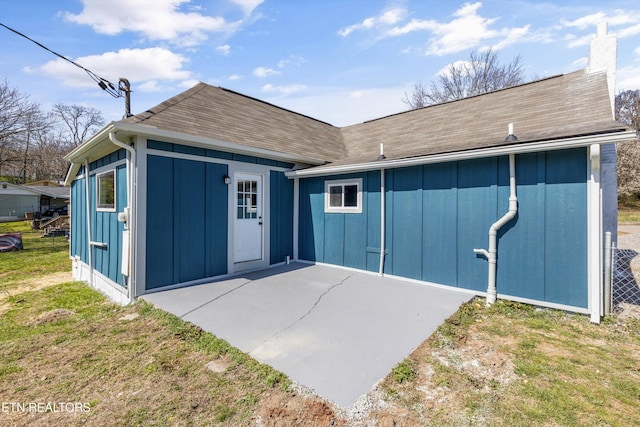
x=505, y=194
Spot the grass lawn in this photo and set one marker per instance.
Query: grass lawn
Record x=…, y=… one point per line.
x=629, y=213
x=40, y=257
x=507, y=365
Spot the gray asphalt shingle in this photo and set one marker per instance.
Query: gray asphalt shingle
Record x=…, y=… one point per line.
x=557, y=107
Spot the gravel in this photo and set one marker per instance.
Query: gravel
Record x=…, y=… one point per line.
x=629, y=238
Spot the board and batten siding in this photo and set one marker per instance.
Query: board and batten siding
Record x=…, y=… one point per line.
x=79, y=243
x=105, y=227
x=280, y=217
x=437, y=214
x=187, y=210
x=346, y=239
x=187, y=213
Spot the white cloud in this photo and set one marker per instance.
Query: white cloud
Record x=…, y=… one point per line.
x=225, y=50
x=345, y=106
x=154, y=19
x=629, y=31
x=575, y=41
x=144, y=67
x=387, y=18
x=149, y=86
x=234, y=77
x=614, y=18
x=263, y=72
x=247, y=5
x=187, y=84
x=283, y=90
x=294, y=60
x=466, y=30
x=617, y=20
x=511, y=36
x=589, y=21
x=580, y=63
x=628, y=78
x=444, y=71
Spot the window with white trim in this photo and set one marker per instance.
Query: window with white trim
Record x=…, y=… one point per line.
x=343, y=196
x=106, y=191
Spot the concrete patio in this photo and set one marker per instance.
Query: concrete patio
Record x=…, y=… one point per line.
x=333, y=330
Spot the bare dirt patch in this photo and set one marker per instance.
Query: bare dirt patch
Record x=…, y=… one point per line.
x=51, y=316
x=32, y=284
x=293, y=410
x=36, y=283
x=219, y=365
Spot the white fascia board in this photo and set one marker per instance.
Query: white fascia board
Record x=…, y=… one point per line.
x=78, y=154
x=557, y=144
x=71, y=174
x=212, y=144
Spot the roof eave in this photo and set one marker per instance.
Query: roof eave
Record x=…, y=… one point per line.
x=130, y=129
x=86, y=151
x=80, y=152
x=546, y=145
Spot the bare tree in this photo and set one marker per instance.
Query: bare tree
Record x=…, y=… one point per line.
x=19, y=117
x=628, y=113
x=79, y=121
x=33, y=143
x=48, y=148
x=480, y=74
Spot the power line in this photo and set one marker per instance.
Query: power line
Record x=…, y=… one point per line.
x=104, y=84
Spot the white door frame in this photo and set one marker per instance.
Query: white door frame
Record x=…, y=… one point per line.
x=248, y=169
x=248, y=217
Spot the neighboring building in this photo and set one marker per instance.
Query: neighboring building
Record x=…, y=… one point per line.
x=16, y=200
x=211, y=183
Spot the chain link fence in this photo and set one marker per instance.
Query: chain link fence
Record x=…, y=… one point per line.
x=624, y=287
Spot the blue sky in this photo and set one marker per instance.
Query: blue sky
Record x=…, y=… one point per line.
x=339, y=61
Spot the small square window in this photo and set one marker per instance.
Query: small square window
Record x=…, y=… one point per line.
x=343, y=196
x=106, y=189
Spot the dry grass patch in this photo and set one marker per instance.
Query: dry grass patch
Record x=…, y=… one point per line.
x=513, y=364
x=133, y=366
x=508, y=365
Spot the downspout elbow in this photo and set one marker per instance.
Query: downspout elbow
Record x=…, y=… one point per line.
x=117, y=142
x=508, y=216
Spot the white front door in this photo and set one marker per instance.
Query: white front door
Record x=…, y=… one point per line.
x=247, y=218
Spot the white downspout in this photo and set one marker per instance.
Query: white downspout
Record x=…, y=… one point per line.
x=88, y=206
x=131, y=213
x=382, y=222
x=492, y=253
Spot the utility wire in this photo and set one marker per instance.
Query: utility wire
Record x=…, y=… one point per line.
x=104, y=84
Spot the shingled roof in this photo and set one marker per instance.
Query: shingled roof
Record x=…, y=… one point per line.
x=224, y=115
x=563, y=106
x=557, y=107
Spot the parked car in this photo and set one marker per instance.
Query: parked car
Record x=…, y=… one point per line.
x=55, y=212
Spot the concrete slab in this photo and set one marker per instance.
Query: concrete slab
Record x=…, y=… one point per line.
x=333, y=330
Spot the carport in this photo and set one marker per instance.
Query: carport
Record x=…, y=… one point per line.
x=333, y=330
